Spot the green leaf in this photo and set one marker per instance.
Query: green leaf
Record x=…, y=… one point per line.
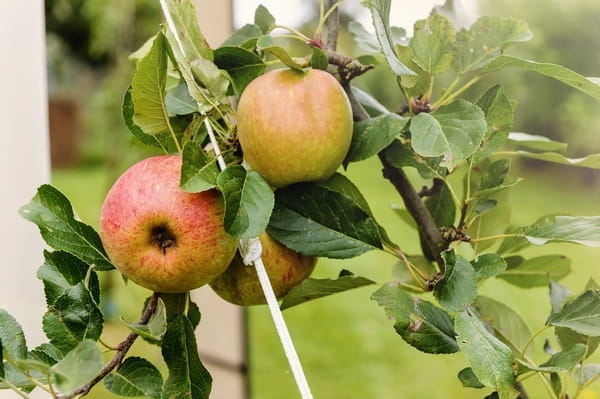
x=535, y=142
x=313, y=288
x=488, y=265
x=442, y=207
x=248, y=201
x=495, y=174
x=453, y=131
x=380, y=14
x=315, y=220
x=179, y=102
x=590, y=370
x=206, y=84
x=265, y=43
x=536, y=272
x=581, y=315
x=369, y=103
x=12, y=339
x=486, y=39
x=184, y=17
x=495, y=219
x=47, y=353
x=242, y=35
x=493, y=179
x=363, y=38
x=420, y=323
x=373, y=135
x=561, y=362
x=198, y=170
x=400, y=155
x=242, y=65
x=78, y=367
x=135, y=377
x=212, y=78
x=72, y=318
x=457, y=288
x=51, y=211
x=481, y=206
x=567, y=338
x=263, y=19
x=557, y=72
x=558, y=295
x=193, y=314
x=507, y=325
x=163, y=141
x=148, y=90
x=583, y=230
x=155, y=329
x=490, y=359
x=432, y=44
x=319, y=59
x=499, y=115
x=591, y=161
x=187, y=375
x=61, y=272
x=417, y=85
x=468, y=378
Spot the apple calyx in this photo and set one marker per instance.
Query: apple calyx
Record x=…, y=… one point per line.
x=163, y=237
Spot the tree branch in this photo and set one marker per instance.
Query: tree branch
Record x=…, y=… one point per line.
x=416, y=207
x=333, y=26
x=122, y=350
x=413, y=202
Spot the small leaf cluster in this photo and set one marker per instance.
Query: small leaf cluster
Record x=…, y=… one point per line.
x=182, y=99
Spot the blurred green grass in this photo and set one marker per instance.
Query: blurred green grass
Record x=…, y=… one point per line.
x=348, y=347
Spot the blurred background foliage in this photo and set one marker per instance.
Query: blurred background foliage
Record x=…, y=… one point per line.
x=348, y=346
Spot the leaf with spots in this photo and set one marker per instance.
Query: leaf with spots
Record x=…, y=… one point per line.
x=420, y=323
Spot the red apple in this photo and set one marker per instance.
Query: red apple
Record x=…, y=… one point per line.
x=161, y=237
x=294, y=126
x=239, y=284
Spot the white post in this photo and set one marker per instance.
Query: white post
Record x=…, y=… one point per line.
x=222, y=332
x=24, y=161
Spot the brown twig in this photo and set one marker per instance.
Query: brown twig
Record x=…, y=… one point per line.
x=122, y=350
x=413, y=202
x=522, y=392
x=333, y=26
x=416, y=207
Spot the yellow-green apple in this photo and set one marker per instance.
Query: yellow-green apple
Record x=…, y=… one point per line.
x=161, y=237
x=294, y=126
x=239, y=284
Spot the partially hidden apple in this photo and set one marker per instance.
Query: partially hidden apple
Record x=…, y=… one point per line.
x=294, y=126
x=239, y=284
x=161, y=237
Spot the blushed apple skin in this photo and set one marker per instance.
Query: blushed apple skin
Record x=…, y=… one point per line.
x=294, y=126
x=239, y=284
x=159, y=236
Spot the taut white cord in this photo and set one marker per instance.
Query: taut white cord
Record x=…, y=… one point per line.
x=251, y=250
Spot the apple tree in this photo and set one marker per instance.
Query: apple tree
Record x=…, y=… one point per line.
x=183, y=100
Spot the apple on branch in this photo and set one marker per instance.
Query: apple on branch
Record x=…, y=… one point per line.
x=161, y=237
x=239, y=284
x=294, y=126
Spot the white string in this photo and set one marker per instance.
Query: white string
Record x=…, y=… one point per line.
x=251, y=250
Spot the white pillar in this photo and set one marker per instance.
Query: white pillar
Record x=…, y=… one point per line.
x=24, y=162
x=222, y=332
